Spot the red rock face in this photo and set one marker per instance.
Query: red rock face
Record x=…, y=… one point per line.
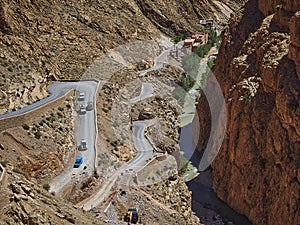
x=294, y=50
x=257, y=171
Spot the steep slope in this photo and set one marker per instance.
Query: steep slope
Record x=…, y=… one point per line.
x=44, y=40
x=257, y=171
x=23, y=201
x=183, y=16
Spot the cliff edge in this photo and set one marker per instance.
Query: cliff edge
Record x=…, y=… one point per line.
x=257, y=171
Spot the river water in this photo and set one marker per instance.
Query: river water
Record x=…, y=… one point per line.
x=208, y=207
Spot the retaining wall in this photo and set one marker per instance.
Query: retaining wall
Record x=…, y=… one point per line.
x=33, y=115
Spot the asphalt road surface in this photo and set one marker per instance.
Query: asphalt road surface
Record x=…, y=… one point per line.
x=125, y=174
x=161, y=59
x=85, y=129
x=144, y=149
x=146, y=92
x=56, y=90
x=144, y=152
x=85, y=124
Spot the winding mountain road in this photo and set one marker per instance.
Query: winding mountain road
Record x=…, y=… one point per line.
x=125, y=174
x=161, y=59
x=85, y=128
x=146, y=92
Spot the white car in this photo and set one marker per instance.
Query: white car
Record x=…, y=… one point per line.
x=81, y=96
x=82, y=109
x=83, y=145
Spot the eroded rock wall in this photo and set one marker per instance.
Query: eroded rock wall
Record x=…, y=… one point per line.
x=257, y=171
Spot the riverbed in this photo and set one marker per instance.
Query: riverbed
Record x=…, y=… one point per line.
x=208, y=207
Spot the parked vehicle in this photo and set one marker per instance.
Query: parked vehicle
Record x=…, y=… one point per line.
x=82, y=109
x=83, y=145
x=78, y=162
x=81, y=96
x=132, y=216
x=89, y=106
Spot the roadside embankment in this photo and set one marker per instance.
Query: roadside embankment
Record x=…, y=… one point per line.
x=19, y=120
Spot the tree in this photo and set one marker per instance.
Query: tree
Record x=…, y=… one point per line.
x=187, y=82
x=179, y=37
x=202, y=50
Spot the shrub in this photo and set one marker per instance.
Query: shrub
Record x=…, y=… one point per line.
x=25, y=126
x=203, y=50
x=211, y=62
x=4, y=63
x=105, y=110
x=46, y=186
x=246, y=98
x=191, y=65
x=179, y=37
x=4, y=163
x=38, y=134
x=179, y=94
x=259, y=43
x=187, y=82
x=59, y=114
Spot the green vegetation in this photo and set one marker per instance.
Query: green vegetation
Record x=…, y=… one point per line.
x=259, y=43
x=202, y=50
x=184, y=163
x=213, y=38
x=191, y=67
x=38, y=134
x=46, y=186
x=3, y=62
x=59, y=114
x=25, y=126
x=211, y=62
x=245, y=98
x=204, y=75
x=187, y=82
x=50, y=118
x=179, y=37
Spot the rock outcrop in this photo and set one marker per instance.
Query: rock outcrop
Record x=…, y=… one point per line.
x=257, y=171
x=24, y=201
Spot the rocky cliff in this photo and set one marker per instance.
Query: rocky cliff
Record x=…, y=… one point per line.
x=257, y=171
x=42, y=41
